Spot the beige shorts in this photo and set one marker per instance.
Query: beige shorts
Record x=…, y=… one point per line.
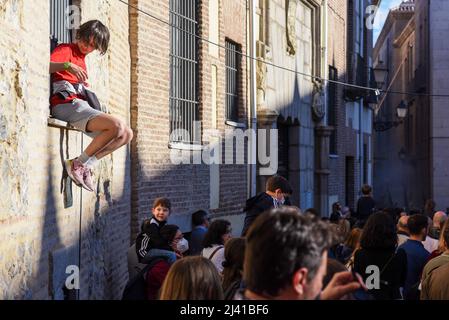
x=76, y=113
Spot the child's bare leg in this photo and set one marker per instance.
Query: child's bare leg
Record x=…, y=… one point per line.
x=124, y=139
x=111, y=129
x=113, y=135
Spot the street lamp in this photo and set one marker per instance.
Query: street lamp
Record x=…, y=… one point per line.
x=401, y=113
x=377, y=80
x=380, y=75
x=402, y=110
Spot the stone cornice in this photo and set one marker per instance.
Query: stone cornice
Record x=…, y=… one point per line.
x=405, y=34
x=393, y=16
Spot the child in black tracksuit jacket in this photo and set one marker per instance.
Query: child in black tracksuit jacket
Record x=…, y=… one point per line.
x=149, y=242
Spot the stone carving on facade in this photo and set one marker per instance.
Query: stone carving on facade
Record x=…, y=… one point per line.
x=261, y=73
x=318, y=106
x=292, y=6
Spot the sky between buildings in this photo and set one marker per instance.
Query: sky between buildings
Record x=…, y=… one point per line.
x=382, y=14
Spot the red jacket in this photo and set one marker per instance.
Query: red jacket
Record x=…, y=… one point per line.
x=154, y=279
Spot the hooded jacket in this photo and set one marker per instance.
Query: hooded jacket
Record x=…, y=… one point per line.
x=257, y=205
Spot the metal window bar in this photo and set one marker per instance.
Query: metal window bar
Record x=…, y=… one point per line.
x=232, y=78
x=59, y=30
x=184, y=105
x=332, y=106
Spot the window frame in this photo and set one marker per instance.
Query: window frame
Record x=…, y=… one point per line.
x=184, y=104
x=59, y=32
x=233, y=64
x=332, y=99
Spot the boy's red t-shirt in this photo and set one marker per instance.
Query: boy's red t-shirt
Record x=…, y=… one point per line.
x=66, y=53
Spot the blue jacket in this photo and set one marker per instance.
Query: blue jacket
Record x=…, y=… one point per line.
x=196, y=240
x=416, y=260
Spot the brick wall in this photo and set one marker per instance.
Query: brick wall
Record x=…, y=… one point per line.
x=339, y=48
x=188, y=186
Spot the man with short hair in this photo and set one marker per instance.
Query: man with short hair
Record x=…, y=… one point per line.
x=336, y=213
x=417, y=255
x=286, y=259
x=277, y=192
x=200, y=223
x=438, y=220
x=435, y=276
x=365, y=204
x=402, y=232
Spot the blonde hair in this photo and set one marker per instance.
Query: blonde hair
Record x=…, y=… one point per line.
x=192, y=278
x=353, y=240
x=442, y=245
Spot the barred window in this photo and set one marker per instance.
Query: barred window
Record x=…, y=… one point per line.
x=59, y=30
x=184, y=106
x=332, y=108
x=232, y=80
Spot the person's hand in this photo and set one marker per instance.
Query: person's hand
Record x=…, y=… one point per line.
x=179, y=255
x=342, y=283
x=78, y=72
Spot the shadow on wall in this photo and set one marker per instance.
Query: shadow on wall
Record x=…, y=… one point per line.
x=101, y=229
x=100, y=276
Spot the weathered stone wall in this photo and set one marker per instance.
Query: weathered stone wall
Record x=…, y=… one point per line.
x=38, y=236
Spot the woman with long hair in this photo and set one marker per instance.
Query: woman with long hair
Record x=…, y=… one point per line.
x=192, y=278
x=378, y=248
x=217, y=235
x=233, y=266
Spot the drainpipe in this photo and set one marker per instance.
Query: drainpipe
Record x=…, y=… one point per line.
x=361, y=47
x=326, y=62
x=253, y=103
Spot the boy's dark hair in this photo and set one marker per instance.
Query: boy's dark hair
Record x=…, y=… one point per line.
x=214, y=234
x=163, y=202
x=379, y=232
x=280, y=242
x=366, y=189
x=277, y=182
x=168, y=232
x=96, y=30
x=233, y=265
x=416, y=223
x=199, y=217
x=313, y=211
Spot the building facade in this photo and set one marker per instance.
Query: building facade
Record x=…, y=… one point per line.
x=412, y=47
x=394, y=51
x=169, y=87
x=324, y=129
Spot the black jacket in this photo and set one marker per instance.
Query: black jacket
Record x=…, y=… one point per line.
x=255, y=206
x=365, y=207
x=394, y=266
x=150, y=238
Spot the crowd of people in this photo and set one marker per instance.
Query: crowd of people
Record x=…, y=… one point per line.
x=284, y=253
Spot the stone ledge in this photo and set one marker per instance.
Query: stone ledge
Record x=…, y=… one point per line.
x=235, y=124
x=55, y=123
x=185, y=146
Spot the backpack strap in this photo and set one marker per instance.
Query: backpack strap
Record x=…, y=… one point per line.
x=388, y=262
x=215, y=251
